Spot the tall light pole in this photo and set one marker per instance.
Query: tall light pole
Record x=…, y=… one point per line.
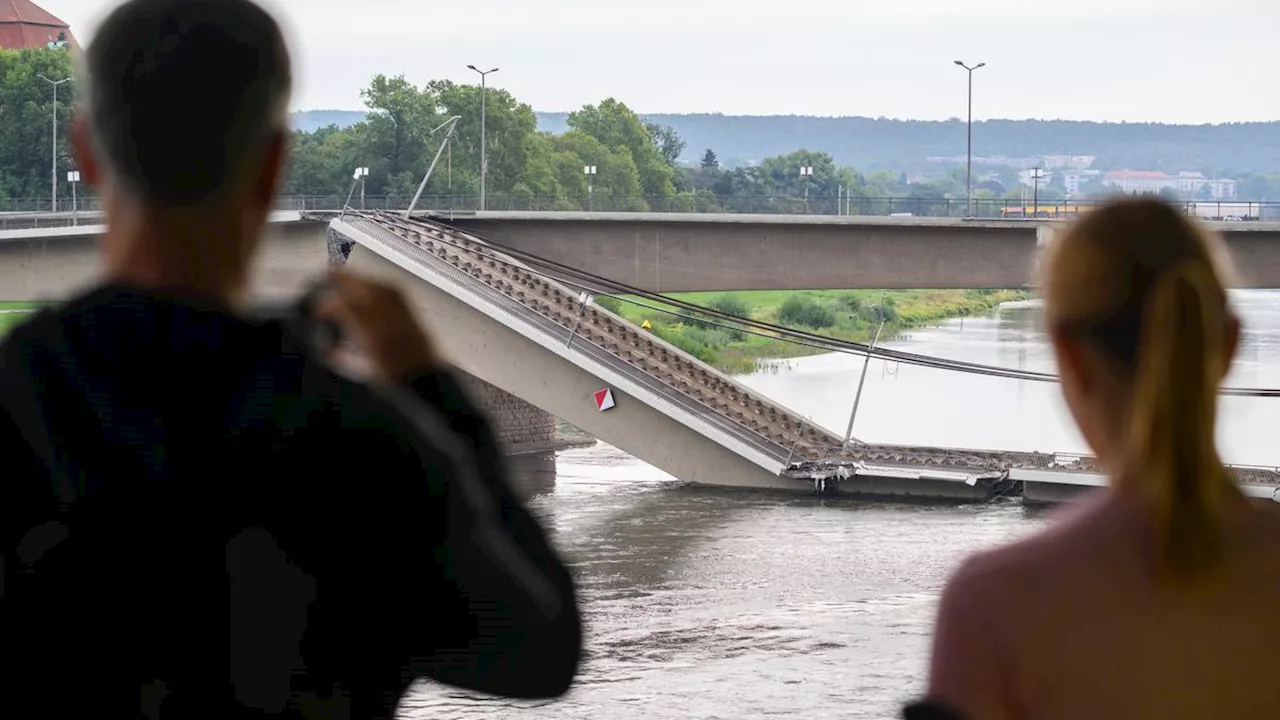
x=590, y=172
x=54, y=173
x=484, y=159
x=806, y=172
x=968, y=192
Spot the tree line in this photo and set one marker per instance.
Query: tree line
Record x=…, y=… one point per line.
x=639, y=162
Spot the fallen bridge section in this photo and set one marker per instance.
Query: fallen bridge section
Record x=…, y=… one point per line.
x=536, y=339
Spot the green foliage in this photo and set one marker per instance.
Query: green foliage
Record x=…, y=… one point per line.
x=612, y=304
x=709, y=160
x=730, y=304
x=26, y=121
x=803, y=311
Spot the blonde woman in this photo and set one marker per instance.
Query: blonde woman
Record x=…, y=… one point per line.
x=1161, y=597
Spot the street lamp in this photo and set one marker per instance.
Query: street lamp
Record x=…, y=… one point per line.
x=73, y=177
x=968, y=192
x=484, y=160
x=590, y=172
x=356, y=177
x=54, y=172
x=806, y=172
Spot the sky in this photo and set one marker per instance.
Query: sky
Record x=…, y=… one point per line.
x=1176, y=61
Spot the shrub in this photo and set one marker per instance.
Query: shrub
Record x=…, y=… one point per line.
x=612, y=304
x=851, y=302
x=730, y=305
x=803, y=311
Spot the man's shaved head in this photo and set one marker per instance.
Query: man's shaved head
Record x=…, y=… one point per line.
x=183, y=97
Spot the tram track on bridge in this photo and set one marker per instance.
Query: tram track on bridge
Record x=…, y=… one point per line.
x=613, y=341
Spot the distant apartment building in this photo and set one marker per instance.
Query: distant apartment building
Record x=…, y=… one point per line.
x=1075, y=162
x=1190, y=184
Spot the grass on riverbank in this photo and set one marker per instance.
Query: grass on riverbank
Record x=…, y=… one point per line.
x=13, y=312
x=841, y=314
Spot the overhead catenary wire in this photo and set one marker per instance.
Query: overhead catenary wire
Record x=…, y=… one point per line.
x=597, y=285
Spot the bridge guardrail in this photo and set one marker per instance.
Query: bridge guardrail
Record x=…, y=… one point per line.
x=985, y=208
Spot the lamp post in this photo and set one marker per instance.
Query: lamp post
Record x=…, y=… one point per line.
x=73, y=177
x=484, y=158
x=590, y=172
x=806, y=172
x=1036, y=173
x=968, y=185
x=54, y=172
x=356, y=177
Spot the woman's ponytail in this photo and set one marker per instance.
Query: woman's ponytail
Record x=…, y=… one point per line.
x=1172, y=457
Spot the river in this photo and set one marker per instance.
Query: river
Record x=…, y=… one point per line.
x=713, y=604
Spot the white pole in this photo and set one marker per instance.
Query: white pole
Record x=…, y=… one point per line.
x=53, y=173
x=484, y=140
x=451, y=123
x=857, y=399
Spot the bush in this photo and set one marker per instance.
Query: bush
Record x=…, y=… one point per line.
x=690, y=345
x=612, y=304
x=799, y=310
x=851, y=302
x=730, y=305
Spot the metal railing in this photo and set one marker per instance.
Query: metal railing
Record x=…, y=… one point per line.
x=1222, y=210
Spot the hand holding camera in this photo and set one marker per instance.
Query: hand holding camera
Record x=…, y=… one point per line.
x=376, y=319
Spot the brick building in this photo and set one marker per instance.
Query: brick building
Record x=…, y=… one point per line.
x=25, y=25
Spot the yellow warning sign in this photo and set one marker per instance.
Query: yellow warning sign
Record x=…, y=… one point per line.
x=646, y=325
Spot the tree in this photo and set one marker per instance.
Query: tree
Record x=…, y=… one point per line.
x=1170, y=194
x=709, y=160
x=619, y=129
x=395, y=132
x=669, y=144
x=510, y=126
x=26, y=113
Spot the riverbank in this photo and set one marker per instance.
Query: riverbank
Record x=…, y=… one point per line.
x=12, y=313
x=851, y=315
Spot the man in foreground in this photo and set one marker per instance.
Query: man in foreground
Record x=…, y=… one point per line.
x=199, y=518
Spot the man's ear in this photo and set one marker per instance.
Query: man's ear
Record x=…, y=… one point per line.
x=82, y=150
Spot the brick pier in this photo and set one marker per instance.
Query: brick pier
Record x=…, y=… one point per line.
x=518, y=424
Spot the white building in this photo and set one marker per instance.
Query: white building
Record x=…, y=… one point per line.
x=1187, y=184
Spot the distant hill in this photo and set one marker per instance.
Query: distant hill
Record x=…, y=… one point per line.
x=905, y=145
x=312, y=120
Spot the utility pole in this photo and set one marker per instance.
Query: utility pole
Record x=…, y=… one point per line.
x=1035, y=185
x=54, y=170
x=451, y=124
x=484, y=141
x=857, y=399
x=968, y=193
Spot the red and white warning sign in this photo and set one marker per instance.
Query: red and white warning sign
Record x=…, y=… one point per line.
x=604, y=400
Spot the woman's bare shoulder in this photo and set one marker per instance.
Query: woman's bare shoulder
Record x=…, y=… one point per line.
x=1074, y=534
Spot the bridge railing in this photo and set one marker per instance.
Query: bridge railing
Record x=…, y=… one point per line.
x=1226, y=210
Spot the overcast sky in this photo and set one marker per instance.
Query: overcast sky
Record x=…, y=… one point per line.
x=1183, y=61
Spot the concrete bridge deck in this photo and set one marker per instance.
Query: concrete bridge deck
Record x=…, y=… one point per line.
x=675, y=252
x=678, y=252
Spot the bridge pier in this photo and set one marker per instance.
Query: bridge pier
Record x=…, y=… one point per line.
x=517, y=424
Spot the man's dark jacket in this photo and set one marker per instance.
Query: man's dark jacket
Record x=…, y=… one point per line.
x=201, y=520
